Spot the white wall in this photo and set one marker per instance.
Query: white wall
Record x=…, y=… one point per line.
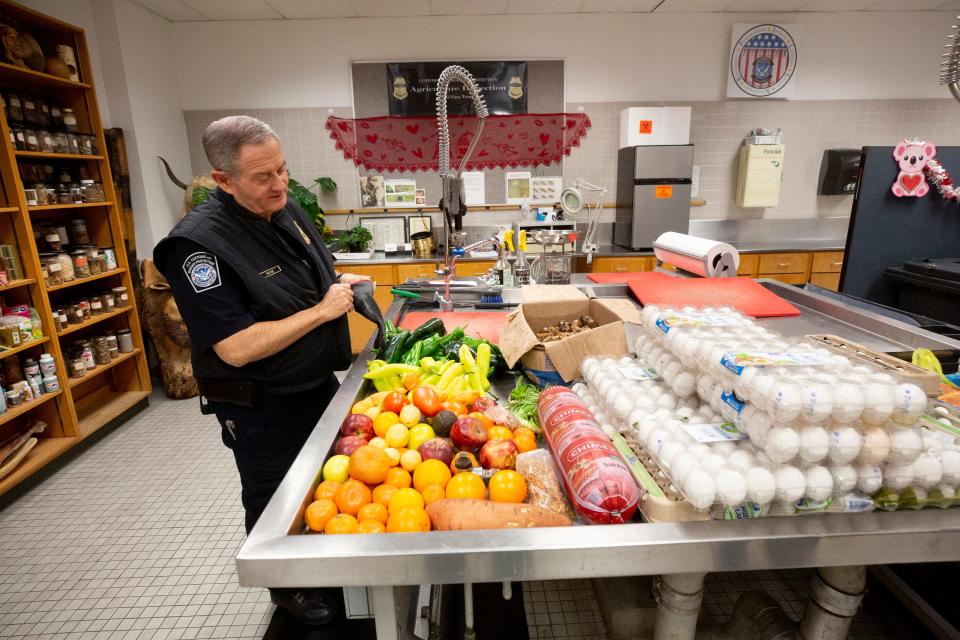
x=626, y=57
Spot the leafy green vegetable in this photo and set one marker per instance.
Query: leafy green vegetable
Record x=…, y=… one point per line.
x=523, y=403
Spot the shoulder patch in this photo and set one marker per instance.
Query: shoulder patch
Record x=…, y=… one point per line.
x=202, y=271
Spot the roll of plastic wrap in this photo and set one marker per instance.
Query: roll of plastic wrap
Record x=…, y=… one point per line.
x=707, y=258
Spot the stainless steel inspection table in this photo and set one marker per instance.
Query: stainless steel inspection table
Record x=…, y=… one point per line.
x=276, y=554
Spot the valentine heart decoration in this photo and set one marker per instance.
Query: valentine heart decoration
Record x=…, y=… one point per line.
x=913, y=157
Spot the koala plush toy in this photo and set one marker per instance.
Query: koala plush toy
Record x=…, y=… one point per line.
x=912, y=156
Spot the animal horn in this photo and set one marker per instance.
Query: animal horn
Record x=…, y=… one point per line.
x=174, y=178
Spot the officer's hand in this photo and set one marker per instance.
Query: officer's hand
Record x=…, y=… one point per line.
x=338, y=301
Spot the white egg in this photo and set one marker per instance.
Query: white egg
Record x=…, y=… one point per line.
x=785, y=401
x=712, y=463
x=626, y=361
x=847, y=401
x=646, y=425
x=681, y=465
x=761, y=485
x=580, y=389
x=875, y=447
x=611, y=395
x=635, y=417
x=909, y=403
x=723, y=449
x=655, y=440
x=844, y=444
x=927, y=471
x=699, y=450
x=740, y=459
x=757, y=427
x=731, y=487
x=817, y=400
x=699, y=489
x=898, y=476
x=644, y=403
x=782, y=444
x=819, y=483
x=622, y=407
x=950, y=461
x=667, y=401
x=932, y=443
x=604, y=384
x=869, y=479
x=844, y=478
x=683, y=384
x=662, y=414
x=948, y=492
x=877, y=402
x=905, y=446
x=669, y=451
x=685, y=413
x=791, y=484
x=814, y=444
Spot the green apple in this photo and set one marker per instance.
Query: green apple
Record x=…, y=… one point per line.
x=336, y=468
x=420, y=434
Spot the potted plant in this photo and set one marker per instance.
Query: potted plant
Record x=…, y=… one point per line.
x=354, y=240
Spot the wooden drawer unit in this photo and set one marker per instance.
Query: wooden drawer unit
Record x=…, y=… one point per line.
x=479, y=268
x=749, y=265
x=826, y=280
x=789, y=278
x=622, y=265
x=827, y=262
x=784, y=263
x=415, y=270
x=381, y=273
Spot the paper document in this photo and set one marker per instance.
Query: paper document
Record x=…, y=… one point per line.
x=473, y=188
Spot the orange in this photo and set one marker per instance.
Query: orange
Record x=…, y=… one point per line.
x=457, y=408
x=410, y=459
x=326, y=489
x=432, y=493
x=499, y=433
x=383, y=493
x=352, y=495
x=319, y=513
x=431, y=472
x=373, y=511
x=400, y=478
x=408, y=519
x=508, y=486
x=405, y=498
x=525, y=439
x=466, y=485
x=371, y=526
x=482, y=417
x=369, y=464
x=341, y=523
x=383, y=421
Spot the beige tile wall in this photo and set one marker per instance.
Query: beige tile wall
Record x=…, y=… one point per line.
x=717, y=130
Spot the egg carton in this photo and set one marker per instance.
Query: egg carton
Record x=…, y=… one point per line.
x=905, y=372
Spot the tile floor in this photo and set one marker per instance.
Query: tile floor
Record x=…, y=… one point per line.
x=135, y=538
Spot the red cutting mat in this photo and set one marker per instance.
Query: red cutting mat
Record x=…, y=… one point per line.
x=744, y=294
x=482, y=324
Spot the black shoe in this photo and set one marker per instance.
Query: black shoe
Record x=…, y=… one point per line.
x=309, y=606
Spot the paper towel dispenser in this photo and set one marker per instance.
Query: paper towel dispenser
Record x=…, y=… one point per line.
x=839, y=172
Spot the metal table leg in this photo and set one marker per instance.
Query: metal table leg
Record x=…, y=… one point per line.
x=385, y=612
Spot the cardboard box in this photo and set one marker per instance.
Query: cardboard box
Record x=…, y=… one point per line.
x=641, y=126
x=559, y=362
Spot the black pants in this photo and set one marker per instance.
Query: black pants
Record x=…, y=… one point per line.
x=266, y=440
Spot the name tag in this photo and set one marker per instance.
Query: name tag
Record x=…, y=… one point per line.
x=272, y=271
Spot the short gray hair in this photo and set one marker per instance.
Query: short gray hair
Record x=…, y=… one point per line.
x=224, y=137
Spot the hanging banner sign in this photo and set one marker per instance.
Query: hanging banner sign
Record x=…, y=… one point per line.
x=412, y=88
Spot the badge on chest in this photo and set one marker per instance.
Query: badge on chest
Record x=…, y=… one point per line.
x=272, y=271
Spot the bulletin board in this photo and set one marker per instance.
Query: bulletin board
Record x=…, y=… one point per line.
x=545, y=89
x=886, y=231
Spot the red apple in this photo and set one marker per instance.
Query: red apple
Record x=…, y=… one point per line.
x=357, y=424
x=483, y=403
x=348, y=444
x=499, y=454
x=437, y=449
x=468, y=434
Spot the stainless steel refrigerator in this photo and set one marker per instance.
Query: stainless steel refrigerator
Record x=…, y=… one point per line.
x=653, y=193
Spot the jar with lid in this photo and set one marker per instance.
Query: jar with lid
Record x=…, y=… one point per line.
x=93, y=259
x=69, y=120
x=101, y=350
x=56, y=117
x=66, y=266
x=109, y=258
x=63, y=194
x=30, y=195
x=96, y=307
x=80, y=266
x=61, y=315
x=43, y=198
x=108, y=302
x=86, y=144
x=46, y=141
x=75, y=367
x=58, y=326
x=75, y=313
x=51, y=383
x=33, y=143
x=73, y=143
x=78, y=231
x=86, y=353
x=92, y=191
x=43, y=113
x=14, y=397
x=47, y=364
x=31, y=369
x=124, y=341
x=31, y=114
x=92, y=144
x=113, y=345
x=60, y=142
x=14, y=107
x=51, y=239
x=76, y=194
x=19, y=138
x=84, y=305
x=51, y=267
x=120, y=295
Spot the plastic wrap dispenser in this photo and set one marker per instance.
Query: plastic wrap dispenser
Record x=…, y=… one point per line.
x=698, y=256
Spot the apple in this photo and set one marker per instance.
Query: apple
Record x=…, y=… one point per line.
x=483, y=403
x=499, y=454
x=337, y=468
x=346, y=445
x=357, y=424
x=468, y=434
x=437, y=449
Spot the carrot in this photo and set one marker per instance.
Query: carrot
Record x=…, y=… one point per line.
x=462, y=514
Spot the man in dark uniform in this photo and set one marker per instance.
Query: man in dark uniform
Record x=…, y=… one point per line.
x=266, y=313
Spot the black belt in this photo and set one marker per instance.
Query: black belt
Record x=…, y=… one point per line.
x=242, y=393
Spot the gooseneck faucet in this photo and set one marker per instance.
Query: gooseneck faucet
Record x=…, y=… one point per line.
x=452, y=203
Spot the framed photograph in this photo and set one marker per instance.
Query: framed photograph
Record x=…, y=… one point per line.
x=417, y=224
x=371, y=191
x=385, y=230
x=546, y=189
x=518, y=187
x=421, y=197
x=400, y=193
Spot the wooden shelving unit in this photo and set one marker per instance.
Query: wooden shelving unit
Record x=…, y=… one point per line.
x=110, y=391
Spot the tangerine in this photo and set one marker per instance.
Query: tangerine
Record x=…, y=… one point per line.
x=525, y=439
x=369, y=464
x=341, y=523
x=432, y=493
x=457, y=408
x=466, y=484
x=400, y=478
x=508, y=486
x=373, y=511
x=498, y=433
x=319, y=513
x=326, y=489
x=405, y=498
x=371, y=526
x=383, y=421
x=352, y=495
x=431, y=472
x=482, y=417
x=408, y=519
x=383, y=493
